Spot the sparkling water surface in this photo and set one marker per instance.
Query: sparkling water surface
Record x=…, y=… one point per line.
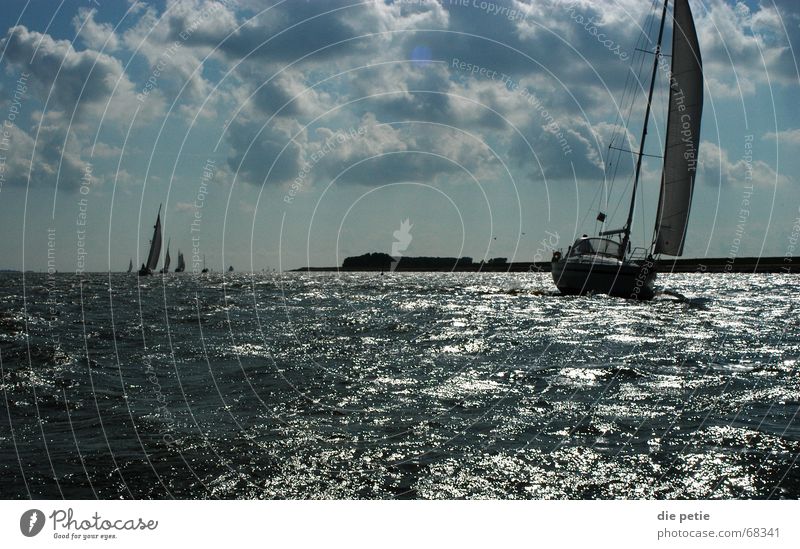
x=408, y=385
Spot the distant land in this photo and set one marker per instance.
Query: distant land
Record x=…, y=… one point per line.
x=384, y=262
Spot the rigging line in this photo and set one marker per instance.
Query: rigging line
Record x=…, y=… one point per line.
x=638, y=47
x=590, y=209
x=621, y=197
x=619, y=117
x=653, y=75
x=631, y=90
x=636, y=153
x=628, y=87
x=637, y=73
x=632, y=83
x=636, y=84
x=643, y=216
x=644, y=37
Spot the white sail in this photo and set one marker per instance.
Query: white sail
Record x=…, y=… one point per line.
x=682, y=135
x=155, y=244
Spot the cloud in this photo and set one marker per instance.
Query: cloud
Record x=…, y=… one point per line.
x=271, y=154
x=97, y=36
x=394, y=90
x=785, y=137
x=745, y=47
x=565, y=79
x=179, y=65
x=379, y=153
x=185, y=207
x=287, y=31
x=53, y=164
x=716, y=168
x=82, y=80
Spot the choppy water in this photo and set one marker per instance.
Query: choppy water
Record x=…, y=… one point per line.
x=433, y=385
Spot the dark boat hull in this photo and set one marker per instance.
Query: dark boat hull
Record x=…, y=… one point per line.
x=628, y=280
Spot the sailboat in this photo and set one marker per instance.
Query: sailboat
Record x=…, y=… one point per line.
x=181, y=263
x=155, y=248
x=205, y=269
x=130, y=265
x=605, y=264
x=165, y=270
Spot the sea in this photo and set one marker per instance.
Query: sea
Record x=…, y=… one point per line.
x=397, y=386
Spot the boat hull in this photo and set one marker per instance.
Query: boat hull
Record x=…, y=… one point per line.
x=624, y=279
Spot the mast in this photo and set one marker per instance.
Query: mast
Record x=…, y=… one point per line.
x=627, y=229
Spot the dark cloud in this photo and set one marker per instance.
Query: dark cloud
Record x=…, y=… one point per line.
x=262, y=155
x=558, y=67
x=281, y=33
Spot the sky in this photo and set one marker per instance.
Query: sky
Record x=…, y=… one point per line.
x=276, y=135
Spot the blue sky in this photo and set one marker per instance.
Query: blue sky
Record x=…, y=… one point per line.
x=311, y=130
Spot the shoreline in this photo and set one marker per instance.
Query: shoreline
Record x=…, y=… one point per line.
x=712, y=265
x=716, y=265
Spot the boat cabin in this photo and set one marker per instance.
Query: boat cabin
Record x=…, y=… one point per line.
x=596, y=246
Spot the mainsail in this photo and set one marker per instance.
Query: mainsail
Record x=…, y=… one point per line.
x=155, y=244
x=130, y=265
x=166, y=261
x=181, y=263
x=682, y=134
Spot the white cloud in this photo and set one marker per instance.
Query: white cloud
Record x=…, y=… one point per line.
x=83, y=81
x=716, y=168
x=55, y=162
x=785, y=137
x=97, y=36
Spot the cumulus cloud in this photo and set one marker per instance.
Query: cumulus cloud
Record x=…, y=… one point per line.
x=745, y=47
x=547, y=110
x=388, y=153
x=56, y=159
x=73, y=80
x=156, y=37
x=97, y=36
x=266, y=154
x=715, y=167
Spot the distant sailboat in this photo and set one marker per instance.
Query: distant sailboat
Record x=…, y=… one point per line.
x=205, y=269
x=165, y=270
x=230, y=269
x=130, y=265
x=155, y=248
x=181, y=263
x=607, y=266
